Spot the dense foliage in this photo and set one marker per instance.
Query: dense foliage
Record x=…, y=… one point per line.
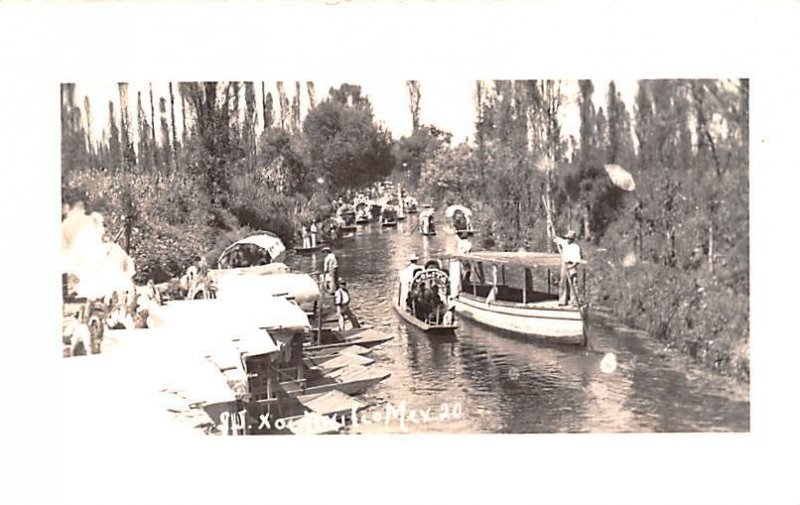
x=670, y=256
x=172, y=199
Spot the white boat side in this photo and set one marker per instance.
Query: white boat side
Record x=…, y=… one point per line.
x=536, y=319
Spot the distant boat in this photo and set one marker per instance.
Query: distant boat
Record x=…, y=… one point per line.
x=303, y=250
x=469, y=232
x=534, y=313
x=389, y=224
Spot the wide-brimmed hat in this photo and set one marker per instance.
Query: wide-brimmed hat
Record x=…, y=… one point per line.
x=326, y=249
x=413, y=257
x=570, y=234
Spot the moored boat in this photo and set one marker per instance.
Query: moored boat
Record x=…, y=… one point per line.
x=307, y=250
x=516, y=306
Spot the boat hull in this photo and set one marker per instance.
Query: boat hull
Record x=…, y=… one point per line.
x=306, y=250
x=541, y=320
x=443, y=329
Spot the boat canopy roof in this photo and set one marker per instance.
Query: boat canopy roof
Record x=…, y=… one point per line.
x=267, y=241
x=523, y=258
x=451, y=211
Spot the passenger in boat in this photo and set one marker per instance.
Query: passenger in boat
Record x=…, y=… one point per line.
x=341, y=299
x=330, y=268
x=570, y=259
x=434, y=304
x=306, y=237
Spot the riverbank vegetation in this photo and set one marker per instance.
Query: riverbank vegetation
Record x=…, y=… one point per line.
x=181, y=196
x=670, y=257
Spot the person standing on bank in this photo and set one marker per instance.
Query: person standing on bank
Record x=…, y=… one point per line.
x=570, y=259
x=330, y=269
x=341, y=298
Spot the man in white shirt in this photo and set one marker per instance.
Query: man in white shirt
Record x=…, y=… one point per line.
x=330, y=267
x=464, y=244
x=570, y=259
x=341, y=299
x=406, y=276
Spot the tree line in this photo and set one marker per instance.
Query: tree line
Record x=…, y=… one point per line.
x=232, y=169
x=670, y=256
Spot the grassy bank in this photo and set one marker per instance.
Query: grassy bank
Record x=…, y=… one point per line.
x=695, y=315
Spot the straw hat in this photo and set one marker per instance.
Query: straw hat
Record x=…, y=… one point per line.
x=570, y=234
x=413, y=257
x=326, y=249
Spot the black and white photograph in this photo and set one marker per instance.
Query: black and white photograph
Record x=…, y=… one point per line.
x=400, y=251
x=526, y=256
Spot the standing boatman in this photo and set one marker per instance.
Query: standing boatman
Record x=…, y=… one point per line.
x=406, y=276
x=570, y=259
x=314, y=234
x=330, y=269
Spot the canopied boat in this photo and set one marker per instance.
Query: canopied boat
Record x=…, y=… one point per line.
x=346, y=215
x=497, y=289
x=253, y=267
x=363, y=212
x=424, y=302
x=427, y=226
x=411, y=204
x=389, y=216
x=460, y=219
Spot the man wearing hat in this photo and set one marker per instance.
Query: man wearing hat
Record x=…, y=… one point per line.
x=570, y=259
x=330, y=269
x=406, y=276
x=341, y=298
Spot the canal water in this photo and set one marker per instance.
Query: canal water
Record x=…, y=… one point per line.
x=483, y=381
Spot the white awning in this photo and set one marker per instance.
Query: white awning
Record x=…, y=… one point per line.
x=451, y=211
x=267, y=241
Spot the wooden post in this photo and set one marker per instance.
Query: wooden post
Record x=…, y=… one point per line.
x=298, y=358
x=320, y=304
x=548, y=281
x=525, y=285
x=503, y=272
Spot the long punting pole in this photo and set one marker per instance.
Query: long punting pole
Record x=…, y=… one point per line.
x=581, y=308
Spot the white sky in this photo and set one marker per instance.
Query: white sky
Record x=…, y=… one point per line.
x=448, y=104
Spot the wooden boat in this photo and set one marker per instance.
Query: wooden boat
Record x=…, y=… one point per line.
x=422, y=325
x=433, y=279
x=350, y=380
x=363, y=337
x=522, y=310
x=348, y=228
x=428, y=233
x=362, y=220
x=389, y=224
x=306, y=250
x=469, y=232
x=331, y=353
x=330, y=363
